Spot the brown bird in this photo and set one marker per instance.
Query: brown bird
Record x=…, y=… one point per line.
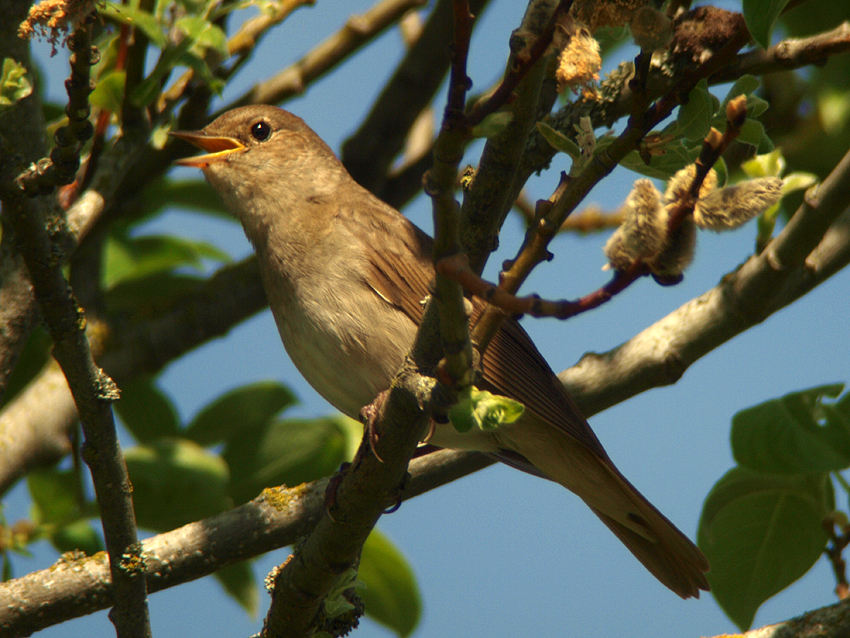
x=345, y=274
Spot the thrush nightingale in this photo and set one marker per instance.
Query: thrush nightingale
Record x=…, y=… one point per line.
x=345, y=275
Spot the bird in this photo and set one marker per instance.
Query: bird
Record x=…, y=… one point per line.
x=345, y=275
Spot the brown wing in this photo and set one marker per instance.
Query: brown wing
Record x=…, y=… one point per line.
x=514, y=367
x=512, y=364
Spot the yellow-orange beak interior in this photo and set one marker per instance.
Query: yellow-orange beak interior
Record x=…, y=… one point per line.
x=217, y=147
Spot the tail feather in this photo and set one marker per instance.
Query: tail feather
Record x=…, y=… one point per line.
x=674, y=560
x=665, y=551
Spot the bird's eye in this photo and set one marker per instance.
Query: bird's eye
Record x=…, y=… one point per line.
x=261, y=131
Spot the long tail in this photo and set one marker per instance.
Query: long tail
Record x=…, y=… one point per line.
x=665, y=551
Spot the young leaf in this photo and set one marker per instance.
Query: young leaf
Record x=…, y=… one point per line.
x=244, y=409
x=54, y=496
x=760, y=16
x=175, y=482
x=744, y=85
x=126, y=258
x=204, y=34
x=146, y=412
x=391, y=594
x=760, y=533
x=239, y=583
x=135, y=17
x=785, y=436
x=14, y=84
x=493, y=124
x=288, y=452
x=694, y=117
x=559, y=141
x=767, y=165
x=484, y=410
x=109, y=92
x=77, y=536
x=675, y=158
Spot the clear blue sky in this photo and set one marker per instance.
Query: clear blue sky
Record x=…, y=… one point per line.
x=501, y=553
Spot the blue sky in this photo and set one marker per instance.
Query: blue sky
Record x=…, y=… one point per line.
x=502, y=553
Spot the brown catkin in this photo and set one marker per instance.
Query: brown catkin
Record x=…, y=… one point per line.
x=735, y=205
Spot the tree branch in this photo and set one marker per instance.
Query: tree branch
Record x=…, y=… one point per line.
x=357, y=31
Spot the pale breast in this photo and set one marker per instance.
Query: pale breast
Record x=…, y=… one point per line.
x=344, y=339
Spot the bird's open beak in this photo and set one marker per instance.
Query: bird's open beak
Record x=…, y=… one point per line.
x=217, y=147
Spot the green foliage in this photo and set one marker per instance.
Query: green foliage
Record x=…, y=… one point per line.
x=130, y=258
x=493, y=124
x=238, y=581
x=680, y=142
x=484, y=410
x=61, y=513
x=288, y=452
x=695, y=116
x=391, y=595
x=762, y=524
x=243, y=411
x=108, y=94
x=33, y=357
x=795, y=434
x=14, y=84
x=559, y=141
x=176, y=481
x=146, y=412
x=760, y=16
x=773, y=165
x=190, y=41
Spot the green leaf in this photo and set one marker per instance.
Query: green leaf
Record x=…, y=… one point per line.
x=760, y=16
x=784, y=435
x=249, y=408
x=14, y=84
x=744, y=85
x=391, y=595
x=721, y=171
x=146, y=412
x=288, y=452
x=149, y=294
x=761, y=533
x=126, y=258
x=675, y=158
x=493, y=124
x=798, y=181
x=135, y=17
x=752, y=132
x=756, y=106
x=33, y=357
x=109, y=92
x=77, y=536
x=54, y=496
x=694, y=118
x=204, y=34
x=484, y=410
x=768, y=165
x=239, y=583
x=559, y=141
x=176, y=482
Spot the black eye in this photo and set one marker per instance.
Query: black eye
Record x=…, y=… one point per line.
x=261, y=131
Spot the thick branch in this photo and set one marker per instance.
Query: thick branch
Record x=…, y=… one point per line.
x=357, y=31
x=34, y=427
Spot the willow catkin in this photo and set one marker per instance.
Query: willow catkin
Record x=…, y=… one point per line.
x=735, y=205
x=641, y=236
x=678, y=185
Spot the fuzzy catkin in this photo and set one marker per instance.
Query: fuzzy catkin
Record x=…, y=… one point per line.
x=735, y=205
x=641, y=236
